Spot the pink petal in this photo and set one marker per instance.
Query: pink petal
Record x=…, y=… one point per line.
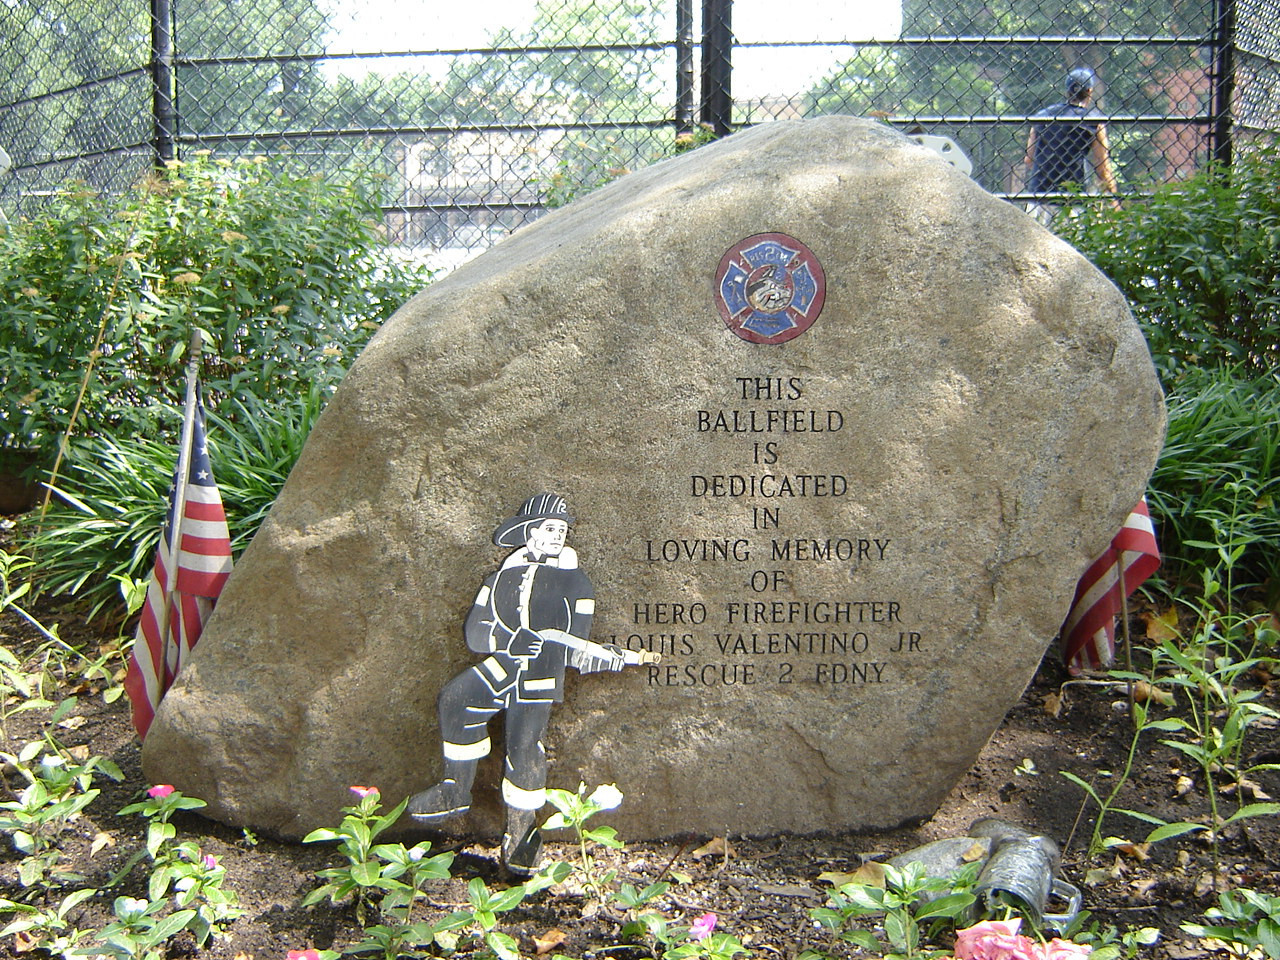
x=701, y=927
x=160, y=791
x=363, y=792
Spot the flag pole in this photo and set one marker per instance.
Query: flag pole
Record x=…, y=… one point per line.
x=174, y=545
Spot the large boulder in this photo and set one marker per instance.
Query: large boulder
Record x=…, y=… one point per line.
x=840, y=430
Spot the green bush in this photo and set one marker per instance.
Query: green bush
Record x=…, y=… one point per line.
x=286, y=273
x=105, y=523
x=1216, y=479
x=1200, y=263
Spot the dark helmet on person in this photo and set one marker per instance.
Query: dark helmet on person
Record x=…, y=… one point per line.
x=1080, y=80
x=513, y=531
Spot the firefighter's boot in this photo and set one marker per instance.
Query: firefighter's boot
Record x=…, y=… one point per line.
x=522, y=843
x=449, y=798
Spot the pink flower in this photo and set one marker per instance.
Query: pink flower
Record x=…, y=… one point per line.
x=363, y=792
x=210, y=861
x=701, y=928
x=160, y=791
x=308, y=954
x=1057, y=949
x=996, y=940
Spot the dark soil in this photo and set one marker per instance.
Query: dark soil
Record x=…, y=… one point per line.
x=761, y=888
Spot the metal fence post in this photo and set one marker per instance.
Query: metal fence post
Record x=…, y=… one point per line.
x=684, y=66
x=1223, y=79
x=164, y=110
x=717, y=65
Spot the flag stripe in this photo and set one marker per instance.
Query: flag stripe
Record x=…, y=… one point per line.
x=172, y=619
x=1088, y=635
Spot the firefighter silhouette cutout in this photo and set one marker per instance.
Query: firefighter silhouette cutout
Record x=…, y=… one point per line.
x=531, y=620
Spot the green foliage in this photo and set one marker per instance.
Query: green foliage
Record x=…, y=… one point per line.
x=1199, y=262
x=1108, y=941
x=374, y=868
x=573, y=810
x=285, y=272
x=49, y=927
x=194, y=878
x=103, y=527
x=1142, y=723
x=908, y=898
x=1246, y=920
x=1219, y=467
x=139, y=931
x=57, y=790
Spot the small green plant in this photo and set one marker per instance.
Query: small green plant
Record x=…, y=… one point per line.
x=911, y=903
x=48, y=928
x=640, y=912
x=57, y=790
x=195, y=878
x=573, y=810
x=376, y=868
x=1107, y=941
x=403, y=874
x=1246, y=921
x=161, y=803
x=139, y=930
x=1142, y=723
x=479, y=920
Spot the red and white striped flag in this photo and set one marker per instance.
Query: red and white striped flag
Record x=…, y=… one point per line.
x=200, y=552
x=1089, y=634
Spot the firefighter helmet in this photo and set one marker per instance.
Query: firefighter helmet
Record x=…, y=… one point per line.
x=513, y=532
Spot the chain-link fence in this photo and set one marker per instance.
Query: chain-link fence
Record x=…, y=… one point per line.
x=478, y=127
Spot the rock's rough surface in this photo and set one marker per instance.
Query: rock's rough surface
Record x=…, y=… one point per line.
x=974, y=409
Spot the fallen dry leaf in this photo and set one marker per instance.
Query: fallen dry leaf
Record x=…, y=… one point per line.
x=79, y=753
x=1247, y=788
x=870, y=874
x=1144, y=692
x=100, y=842
x=836, y=878
x=1206, y=884
x=978, y=851
x=1162, y=626
x=1138, y=851
x=24, y=942
x=1143, y=888
x=72, y=723
x=549, y=941
x=715, y=847
x=1052, y=705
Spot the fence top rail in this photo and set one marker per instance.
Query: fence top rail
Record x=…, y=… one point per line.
x=279, y=58
x=983, y=40
x=447, y=130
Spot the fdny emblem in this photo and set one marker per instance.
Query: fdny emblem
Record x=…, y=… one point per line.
x=769, y=288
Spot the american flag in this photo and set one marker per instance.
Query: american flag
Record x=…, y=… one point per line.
x=1089, y=634
x=177, y=607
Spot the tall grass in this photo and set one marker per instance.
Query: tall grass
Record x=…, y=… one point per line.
x=105, y=521
x=1219, y=468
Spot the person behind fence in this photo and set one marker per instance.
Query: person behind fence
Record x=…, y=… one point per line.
x=1066, y=139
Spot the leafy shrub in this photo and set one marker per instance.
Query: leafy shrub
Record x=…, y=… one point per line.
x=285, y=272
x=1216, y=478
x=106, y=521
x=1199, y=261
